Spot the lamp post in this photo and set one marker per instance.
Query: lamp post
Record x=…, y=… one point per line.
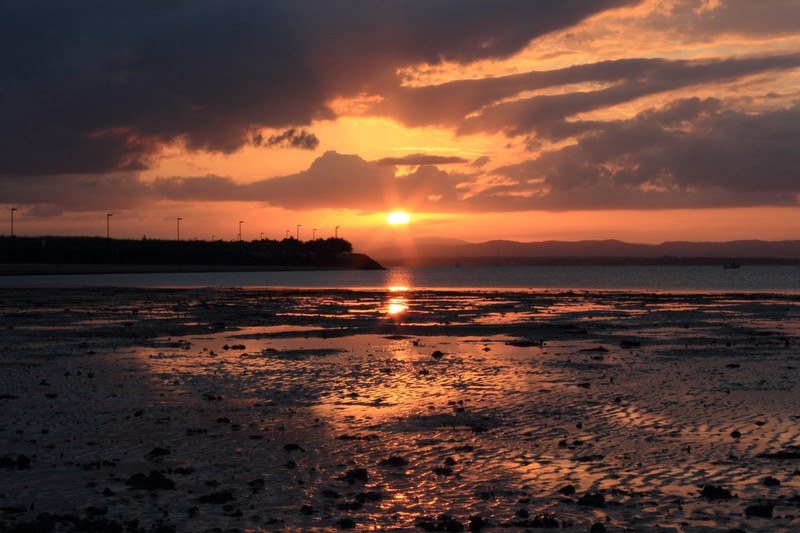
x=240, y=229
x=262, y=235
x=298, y=231
x=336, y=232
x=179, y=228
x=108, y=225
x=12, y=220
x=314, y=234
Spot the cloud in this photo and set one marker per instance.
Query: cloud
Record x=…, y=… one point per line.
x=290, y=138
x=422, y=159
x=91, y=87
x=689, y=154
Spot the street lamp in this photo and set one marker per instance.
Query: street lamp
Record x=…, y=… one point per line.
x=314, y=234
x=240, y=229
x=262, y=235
x=108, y=225
x=298, y=231
x=179, y=228
x=12, y=220
x=287, y=233
x=336, y=232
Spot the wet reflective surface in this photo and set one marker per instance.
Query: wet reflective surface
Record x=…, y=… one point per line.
x=301, y=410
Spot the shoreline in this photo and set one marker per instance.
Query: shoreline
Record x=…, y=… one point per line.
x=287, y=410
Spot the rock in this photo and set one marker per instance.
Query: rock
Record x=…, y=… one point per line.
x=567, y=490
x=713, y=492
x=437, y=355
x=761, y=510
x=736, y=434
x=356, y=474
x=592, y=499
x=218, y=498
x=394, y=460
x=770, y=481
x=291, y=447
x=443, y=471
x=154, y=481
x=598, y=527
x=346, y=523
x=158, y=452
x=477, y=522
x=307, y=509
x=627, y=345
x=443, y=522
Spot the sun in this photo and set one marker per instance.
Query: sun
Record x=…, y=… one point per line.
x=398, y=217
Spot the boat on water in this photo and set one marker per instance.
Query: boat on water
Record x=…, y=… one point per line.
x=732, y=264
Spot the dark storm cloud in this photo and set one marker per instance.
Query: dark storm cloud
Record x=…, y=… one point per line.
x=334, y=181
x=89, y=192
x=97, y=86
x=690, y=154
x=422, y=159
x=743, y=17
x=291, y=138
x=471, y=105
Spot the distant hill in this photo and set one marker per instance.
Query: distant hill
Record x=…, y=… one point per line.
x=590, y=251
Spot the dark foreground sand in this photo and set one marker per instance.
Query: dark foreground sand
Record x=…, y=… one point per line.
x=252, y=410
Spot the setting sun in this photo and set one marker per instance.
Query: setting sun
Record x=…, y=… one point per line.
x=398, y=217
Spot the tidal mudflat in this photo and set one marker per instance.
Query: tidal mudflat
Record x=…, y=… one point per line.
x=302, y=410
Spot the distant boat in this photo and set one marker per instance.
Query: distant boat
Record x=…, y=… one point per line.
x=732, y=264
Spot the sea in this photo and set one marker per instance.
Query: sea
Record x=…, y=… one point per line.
x=708, y=278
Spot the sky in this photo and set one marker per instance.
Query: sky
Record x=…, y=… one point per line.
x=530, y=120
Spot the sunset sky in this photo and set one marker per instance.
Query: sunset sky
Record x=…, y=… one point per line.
x=530, y=120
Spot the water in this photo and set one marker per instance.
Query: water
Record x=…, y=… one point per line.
x=755, y=278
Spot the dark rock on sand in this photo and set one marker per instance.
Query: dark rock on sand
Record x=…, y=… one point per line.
x=770, y=481
x=307, y=509
x=598, y=527
x=153, y=481
x=437, y=355
x=443, y=522
x=477, y=522
x=714, y=492
x=627, y=345
x=761, y=510
x=791, y=452
x=567, y=490
x=443, y=471
x=346, y=523
x=356, y=474
x=592, y=499
x=394, y=460
x=158, y=452
x=291, y=447
x=217, y=498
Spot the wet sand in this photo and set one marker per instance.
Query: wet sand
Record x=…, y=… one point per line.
x=302, y=410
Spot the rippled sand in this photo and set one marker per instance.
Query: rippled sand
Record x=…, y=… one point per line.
x=298, y=410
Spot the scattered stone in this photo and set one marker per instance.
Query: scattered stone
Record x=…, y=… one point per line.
x=291, y=447
x=154, y=481
x=598, y=527
x=443, y=471
x=217, y=498
x=158, y=452
x=307, y=509
x=792, y=452
x=346, y=523
x=394, y=460
x=627, y=345
x=592, y=499
x=443, y=522
x=332, y=494
x=567, y=490
x=477, y=522
x=736, y=434
x=437, y=355
x=356, y=474
x=599, y=349
x=714, y=492
x=761, y=510
x=291, y=465
x=770, y=481
x=209, y=397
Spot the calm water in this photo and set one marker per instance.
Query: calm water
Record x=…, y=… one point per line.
x=756, y=278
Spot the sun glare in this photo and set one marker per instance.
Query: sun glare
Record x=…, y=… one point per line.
x=398, y=217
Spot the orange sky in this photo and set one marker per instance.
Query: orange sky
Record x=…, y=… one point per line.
x=644, y=121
